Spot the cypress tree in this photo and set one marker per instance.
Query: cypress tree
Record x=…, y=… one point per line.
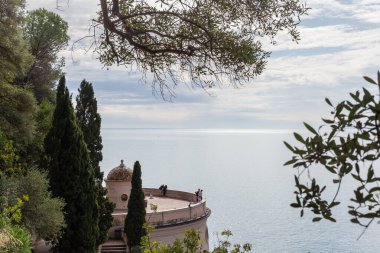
x=90, y=122
x=72, y=177
x=135, y=219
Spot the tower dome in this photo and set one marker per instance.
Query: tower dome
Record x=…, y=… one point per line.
x=120, y=173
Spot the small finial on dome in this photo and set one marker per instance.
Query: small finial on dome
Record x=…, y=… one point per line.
x=122, y=163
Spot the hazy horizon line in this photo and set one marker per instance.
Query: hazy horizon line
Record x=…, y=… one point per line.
x=221, y=130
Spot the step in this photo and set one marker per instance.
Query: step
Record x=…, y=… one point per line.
x=113, y=251
x=114, y=247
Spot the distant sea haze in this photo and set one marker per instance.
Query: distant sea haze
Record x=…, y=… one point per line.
x=244, y=183
x=206, y=130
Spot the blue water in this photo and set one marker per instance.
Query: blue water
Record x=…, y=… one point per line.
x=244, y=182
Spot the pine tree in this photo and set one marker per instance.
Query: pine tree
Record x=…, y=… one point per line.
x=90, y=122
x=135, y=219
x=72, y=177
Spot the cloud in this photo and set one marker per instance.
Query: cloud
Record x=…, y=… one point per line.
x=342, y=36
x=358, y=10
x=129, y=115
x=339, y=44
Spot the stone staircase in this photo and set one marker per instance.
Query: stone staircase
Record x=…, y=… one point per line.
x=114, y=246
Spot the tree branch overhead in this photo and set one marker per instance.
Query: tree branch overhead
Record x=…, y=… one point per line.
x=201, y=42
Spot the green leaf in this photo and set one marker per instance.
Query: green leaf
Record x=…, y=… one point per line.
x=369, y=157
x=331, y=219
x=357, y=177
x=299, y=137
x=353, y=212
x=354, y=220
x=370, y=80
x=374, y=189
x=295, y=205
x=355, y=97
x=331, y=169
x=370, y=215
x=359, y=196
x=328, y=101
x=334, y=204
x=316, y=219
x=339, y=108
x=327, y=121
x=352, y=112
x=299, y=164
x=290, y=162
x=296, y=179
x=370, y=175
x=288, y=146
x=310, y=128
x=331, y=135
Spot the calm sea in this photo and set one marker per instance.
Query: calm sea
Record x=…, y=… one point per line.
x=244, y=182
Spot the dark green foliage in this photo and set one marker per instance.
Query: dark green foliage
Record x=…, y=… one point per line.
x=42, y=215
x=29, y=68
x=135, y=219
x=17, y=107
x=15, y=57
x=90, y=122
x=72, y=177
x=46, y=33
x=347, y=144
x=43, y=117
x=106, y=208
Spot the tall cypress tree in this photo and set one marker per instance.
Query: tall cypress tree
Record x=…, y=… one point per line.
x=135, y=219
x=90, y=123
x=72, y=177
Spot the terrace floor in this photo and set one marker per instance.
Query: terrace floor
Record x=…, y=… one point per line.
x=162, y=203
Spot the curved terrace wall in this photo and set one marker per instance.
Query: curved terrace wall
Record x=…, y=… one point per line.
x=171, y=223
x=171, y=194
x=193, y=211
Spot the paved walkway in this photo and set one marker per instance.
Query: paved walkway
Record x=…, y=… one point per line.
x=165, y=203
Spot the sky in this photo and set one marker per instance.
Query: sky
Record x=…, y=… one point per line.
x=340, y=43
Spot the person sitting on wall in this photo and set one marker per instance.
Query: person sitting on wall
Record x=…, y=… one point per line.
x=165, y=189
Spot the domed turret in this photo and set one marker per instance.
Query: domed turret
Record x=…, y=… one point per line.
x=119, y=185
x=120, y=173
